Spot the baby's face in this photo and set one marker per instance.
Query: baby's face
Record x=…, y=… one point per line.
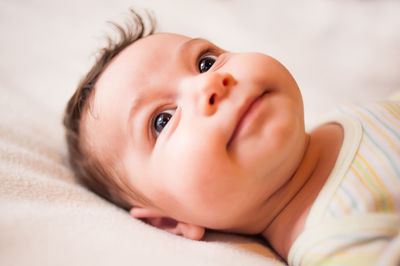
x=208, y=135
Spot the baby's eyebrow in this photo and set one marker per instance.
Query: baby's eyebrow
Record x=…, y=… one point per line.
x=186, y=45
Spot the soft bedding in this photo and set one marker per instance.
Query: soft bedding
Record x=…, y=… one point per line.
x=46, y=218
x=340, y=52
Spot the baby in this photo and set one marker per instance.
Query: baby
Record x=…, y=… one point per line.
x=187, y=136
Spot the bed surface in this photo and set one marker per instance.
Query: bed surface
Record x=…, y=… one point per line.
x=340, y=52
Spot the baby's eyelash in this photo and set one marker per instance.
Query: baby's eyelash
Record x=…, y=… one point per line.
x=205, y=52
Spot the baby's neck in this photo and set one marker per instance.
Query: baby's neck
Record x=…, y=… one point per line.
x=320, y=157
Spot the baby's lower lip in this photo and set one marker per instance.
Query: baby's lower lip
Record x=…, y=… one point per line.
x=247, y=117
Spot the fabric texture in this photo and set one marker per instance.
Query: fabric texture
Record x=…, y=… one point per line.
x=47, y=218
x=356, y=217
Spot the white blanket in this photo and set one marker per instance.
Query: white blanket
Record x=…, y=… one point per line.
x=339, y=51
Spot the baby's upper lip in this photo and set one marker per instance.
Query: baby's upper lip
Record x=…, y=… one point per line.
x=242, y=111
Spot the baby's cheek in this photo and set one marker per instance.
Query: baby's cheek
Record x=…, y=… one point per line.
x=196, y=177
x=197, y=163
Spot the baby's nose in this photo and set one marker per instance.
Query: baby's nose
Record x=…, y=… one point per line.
x=213, y=88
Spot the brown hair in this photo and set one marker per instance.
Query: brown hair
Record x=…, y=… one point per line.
x=87, y=167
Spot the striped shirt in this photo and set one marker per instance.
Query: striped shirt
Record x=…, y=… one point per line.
x=355, y=219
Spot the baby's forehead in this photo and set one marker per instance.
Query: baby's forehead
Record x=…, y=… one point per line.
x=140, y=59
x=150, y=47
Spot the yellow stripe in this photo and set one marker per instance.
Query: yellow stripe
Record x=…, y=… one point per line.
x=367, y=187
x=385, y=166
x=378, y=130
x=369, y=179
x=342, y=204
x=390, y=119
x=389, y=110
x=362, y=196
x=395, y=103
x=379, y=181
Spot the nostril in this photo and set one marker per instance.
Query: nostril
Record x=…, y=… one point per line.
x=212, y=99
x=225, y=81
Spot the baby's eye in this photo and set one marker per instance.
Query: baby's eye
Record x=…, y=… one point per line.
x=161, y=120
x=206, y=63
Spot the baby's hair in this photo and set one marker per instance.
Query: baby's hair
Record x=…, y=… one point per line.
x=87, y=167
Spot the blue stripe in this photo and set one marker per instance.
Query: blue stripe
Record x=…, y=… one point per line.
x=383, y=123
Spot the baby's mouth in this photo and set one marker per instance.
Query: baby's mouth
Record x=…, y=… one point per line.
x=247, y=108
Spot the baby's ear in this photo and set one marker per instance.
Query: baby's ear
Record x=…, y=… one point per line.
x=155, y=218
